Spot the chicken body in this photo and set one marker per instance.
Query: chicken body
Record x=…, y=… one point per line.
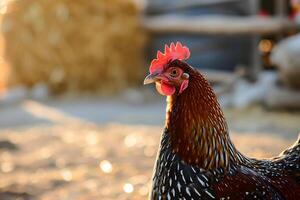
x=276, y=179
x=197, y=159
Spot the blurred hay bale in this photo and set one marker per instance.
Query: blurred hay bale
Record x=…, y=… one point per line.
x=74, y=45
x=4, y=68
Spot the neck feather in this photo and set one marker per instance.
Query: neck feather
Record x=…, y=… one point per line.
x=197, y=127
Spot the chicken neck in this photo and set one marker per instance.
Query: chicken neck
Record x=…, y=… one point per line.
x=197, y=127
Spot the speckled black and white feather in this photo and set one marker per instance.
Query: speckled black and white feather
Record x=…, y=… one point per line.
x=256, y=179
x=173, y=179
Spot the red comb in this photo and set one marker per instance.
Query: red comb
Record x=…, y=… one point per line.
x=171, y=53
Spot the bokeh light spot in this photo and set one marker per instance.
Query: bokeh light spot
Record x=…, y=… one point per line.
x=66, y=175
x=7, y=167
x=130, y=140
x=106, y=166
x=128, y=188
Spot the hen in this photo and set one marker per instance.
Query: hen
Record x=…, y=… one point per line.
x=197, y=159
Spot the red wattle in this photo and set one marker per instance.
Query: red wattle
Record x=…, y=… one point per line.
x=167, y=89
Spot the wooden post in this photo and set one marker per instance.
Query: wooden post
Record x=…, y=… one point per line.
x=280, y=8
x=256, y=64
x=280, y=12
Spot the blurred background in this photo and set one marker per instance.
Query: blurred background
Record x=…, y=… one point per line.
x=76, y=122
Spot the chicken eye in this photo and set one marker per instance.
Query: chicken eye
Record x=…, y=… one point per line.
x=174, y=73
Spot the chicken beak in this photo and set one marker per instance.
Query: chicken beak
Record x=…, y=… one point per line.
x=151, y=78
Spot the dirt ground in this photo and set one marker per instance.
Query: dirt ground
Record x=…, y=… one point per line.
x=83, y=149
